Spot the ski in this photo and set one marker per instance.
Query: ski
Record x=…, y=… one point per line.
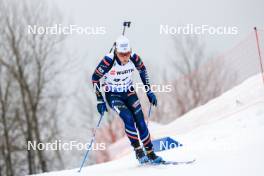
x=176, y=162
x=170, y=163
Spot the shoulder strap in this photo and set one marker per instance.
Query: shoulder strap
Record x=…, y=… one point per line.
x=113, y=61
x=133, y=61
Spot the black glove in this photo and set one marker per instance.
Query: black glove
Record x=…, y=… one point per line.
x=101, y=107
x=152, y=98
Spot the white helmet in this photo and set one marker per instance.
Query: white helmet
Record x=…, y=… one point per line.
x=122, y=45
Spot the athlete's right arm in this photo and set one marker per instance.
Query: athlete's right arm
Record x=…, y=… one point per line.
x=103, y=67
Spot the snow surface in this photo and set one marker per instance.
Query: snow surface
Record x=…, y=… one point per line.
x=225, y=136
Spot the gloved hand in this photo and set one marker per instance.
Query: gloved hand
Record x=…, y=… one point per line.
x=101, y=107
x=152, y=98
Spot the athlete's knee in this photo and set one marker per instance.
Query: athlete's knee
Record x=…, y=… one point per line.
x=128, y=119
x=141, y=125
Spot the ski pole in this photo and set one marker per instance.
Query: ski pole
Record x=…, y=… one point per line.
x=149, y=112
x=90, y=145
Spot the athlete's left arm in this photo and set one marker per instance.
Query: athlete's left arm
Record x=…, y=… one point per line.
x=142, y=70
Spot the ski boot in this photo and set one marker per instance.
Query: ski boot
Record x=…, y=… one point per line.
x=153, y=158
x=141, y=157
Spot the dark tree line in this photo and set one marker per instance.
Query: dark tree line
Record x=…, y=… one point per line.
x=28, y=92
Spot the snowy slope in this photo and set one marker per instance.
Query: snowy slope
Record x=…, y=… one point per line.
x=225, y=136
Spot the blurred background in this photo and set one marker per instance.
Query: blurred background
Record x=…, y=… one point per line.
x=45, y=79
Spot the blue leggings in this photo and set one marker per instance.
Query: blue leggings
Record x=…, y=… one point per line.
x=128, y=106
